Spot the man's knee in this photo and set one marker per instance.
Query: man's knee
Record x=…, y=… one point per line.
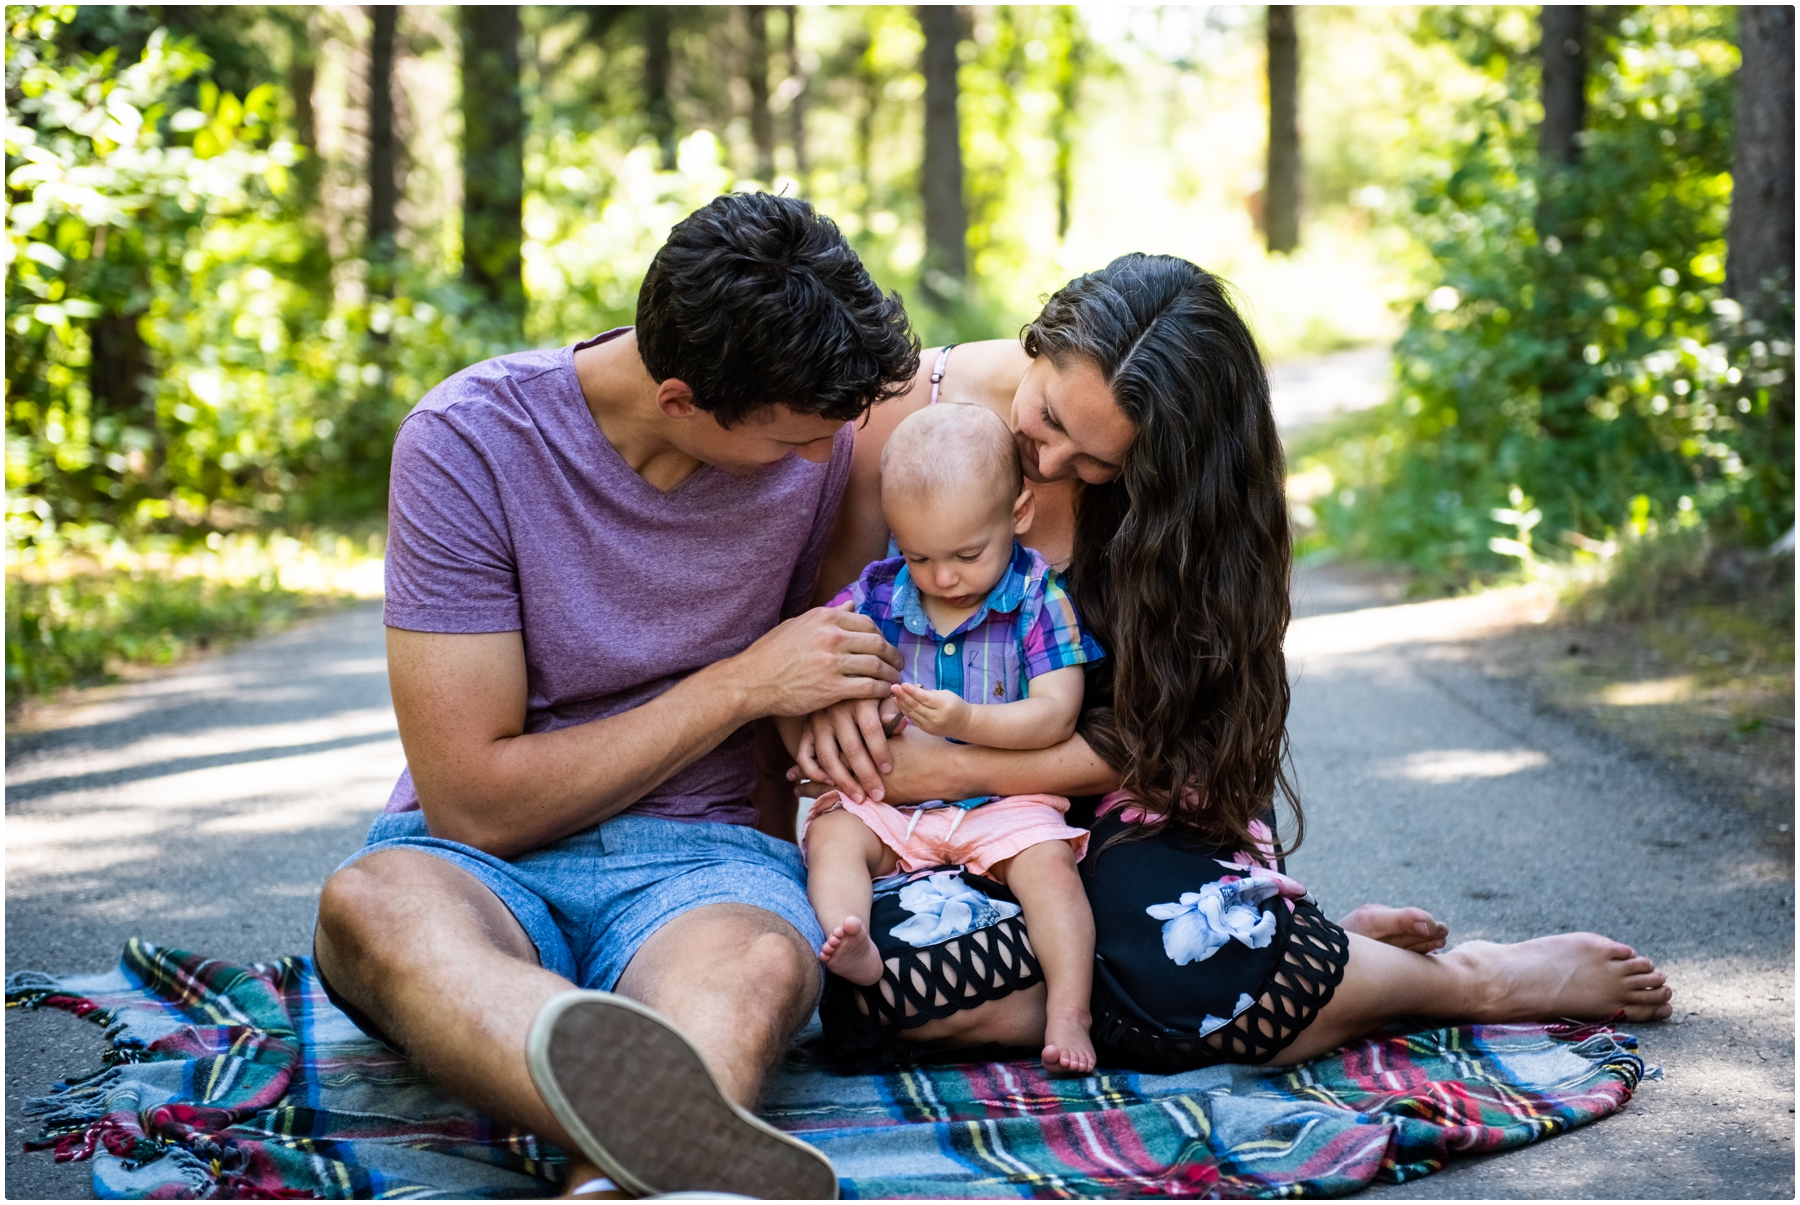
x=778, y=969
x=398, y=904
x=350, y=907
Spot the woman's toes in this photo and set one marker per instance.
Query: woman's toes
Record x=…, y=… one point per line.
x=1647, y=1012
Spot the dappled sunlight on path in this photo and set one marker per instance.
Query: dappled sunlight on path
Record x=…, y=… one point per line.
x=220, y=795
x=1429, y=782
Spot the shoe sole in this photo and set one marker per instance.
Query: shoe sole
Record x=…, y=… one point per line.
x=606, y=1064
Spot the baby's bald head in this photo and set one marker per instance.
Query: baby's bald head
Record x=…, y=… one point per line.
x=952, y=449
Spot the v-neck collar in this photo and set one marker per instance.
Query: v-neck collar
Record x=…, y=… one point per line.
x=607, y=450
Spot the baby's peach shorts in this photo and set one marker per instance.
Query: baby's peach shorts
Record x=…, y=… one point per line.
x=986, y=835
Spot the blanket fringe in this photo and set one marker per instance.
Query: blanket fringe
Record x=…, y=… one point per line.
x=1610, y=1049
x=71, y=1104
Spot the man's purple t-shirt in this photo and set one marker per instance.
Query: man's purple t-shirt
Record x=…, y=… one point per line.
x=508, y=510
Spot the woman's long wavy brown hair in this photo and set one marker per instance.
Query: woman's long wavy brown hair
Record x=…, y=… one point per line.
x=1181, y=564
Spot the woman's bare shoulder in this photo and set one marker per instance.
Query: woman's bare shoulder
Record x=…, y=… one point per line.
x=986, y=373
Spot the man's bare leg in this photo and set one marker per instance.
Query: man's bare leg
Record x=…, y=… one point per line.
x=1581, y=975
x=440, y=965
x=736, y=981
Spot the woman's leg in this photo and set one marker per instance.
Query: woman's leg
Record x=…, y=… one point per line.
x=1580, y=975
x=843, y=858
x=1061, y=927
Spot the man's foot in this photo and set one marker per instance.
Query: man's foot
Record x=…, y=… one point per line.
x=593, y=1188
x=850, y=953
x=1583, y=976
x=1068, y=1045
x=1409, y=928
x=644, y=1109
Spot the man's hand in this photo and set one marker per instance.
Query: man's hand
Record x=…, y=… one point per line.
x=823, y=657
x=938, y=712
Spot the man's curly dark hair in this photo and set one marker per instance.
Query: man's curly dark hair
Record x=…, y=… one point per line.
x=758, y=300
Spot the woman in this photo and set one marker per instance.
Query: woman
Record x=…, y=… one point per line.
x=1141, y=410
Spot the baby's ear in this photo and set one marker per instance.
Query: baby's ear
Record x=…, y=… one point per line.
x=1024, y=510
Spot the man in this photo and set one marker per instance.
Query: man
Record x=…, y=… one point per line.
x=599, y=560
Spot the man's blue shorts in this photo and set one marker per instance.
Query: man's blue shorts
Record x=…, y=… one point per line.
x=589, y=901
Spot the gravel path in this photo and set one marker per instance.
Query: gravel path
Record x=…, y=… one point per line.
x=203, y=809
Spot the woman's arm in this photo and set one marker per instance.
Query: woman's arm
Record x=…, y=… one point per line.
x=928, y=768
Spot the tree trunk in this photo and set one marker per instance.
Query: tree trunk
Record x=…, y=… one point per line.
x=756, y=74
x=1760, y=262
x=1562, y=50
x=1563, y=88
x=1281, y=193
x=946, y=219
x=116, y=373
x=493, y=158
x=870, y=81
x=384, y=163
x=659, y=106
x=796, y=106
x=303, y=77
x=1062, y=124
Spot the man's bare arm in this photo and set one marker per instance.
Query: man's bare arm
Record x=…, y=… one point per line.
x=482, y=781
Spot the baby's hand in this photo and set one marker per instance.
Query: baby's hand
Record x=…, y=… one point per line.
x=891, y=719
x=937, y=712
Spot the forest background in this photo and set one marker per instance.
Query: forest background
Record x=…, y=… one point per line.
x=243, y=241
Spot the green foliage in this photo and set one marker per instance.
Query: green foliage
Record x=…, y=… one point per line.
x=1574, y=350
x=82, y=602
x=182, y=354
x=77, y=631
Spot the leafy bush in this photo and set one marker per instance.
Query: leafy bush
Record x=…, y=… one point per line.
x=1594, y=375
x=84, y=602
x=181, y=355
x=73, y=632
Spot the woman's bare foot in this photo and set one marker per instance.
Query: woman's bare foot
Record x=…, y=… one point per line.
x=1580, y=975
x=850, y=953
x=1409, y=928
x=1068, y=1045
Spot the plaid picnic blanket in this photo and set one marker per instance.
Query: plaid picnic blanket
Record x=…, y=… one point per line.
x=229, y=1081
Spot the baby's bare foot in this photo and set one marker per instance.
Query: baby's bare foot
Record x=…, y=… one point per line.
x=1067, y=1043
x=1580, y=975
x=849, y=953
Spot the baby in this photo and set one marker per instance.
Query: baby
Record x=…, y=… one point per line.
x=993, y=652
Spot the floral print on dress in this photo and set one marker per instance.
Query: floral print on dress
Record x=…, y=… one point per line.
x=1201, y=922
x=943, y=906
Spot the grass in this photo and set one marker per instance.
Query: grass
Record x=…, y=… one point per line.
x=1683, y=649
x=85, y=611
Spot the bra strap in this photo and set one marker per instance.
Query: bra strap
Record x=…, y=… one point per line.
x=937, y=373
